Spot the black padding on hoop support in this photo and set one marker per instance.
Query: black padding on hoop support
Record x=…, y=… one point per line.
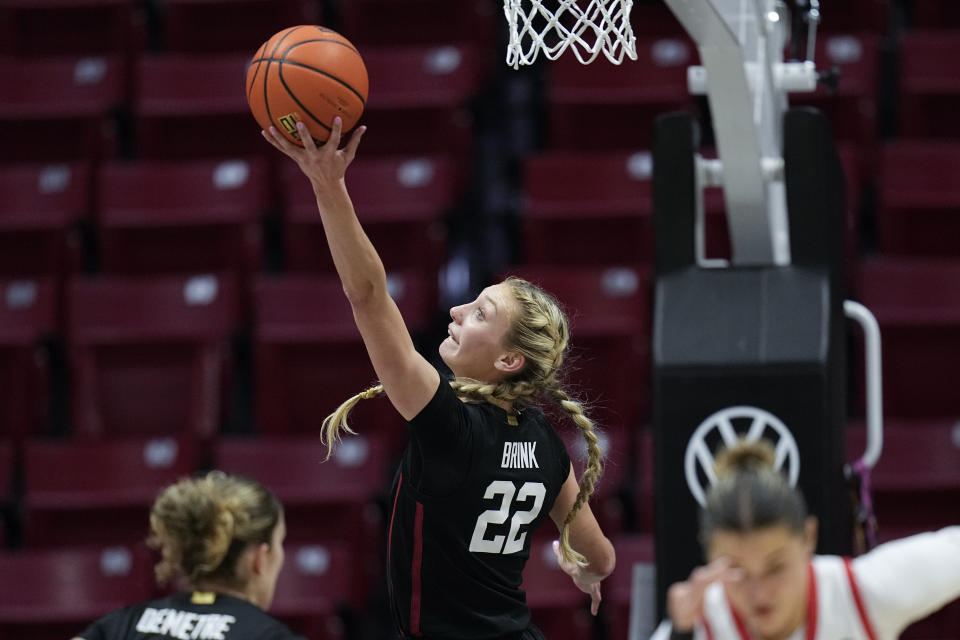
x=768, y=338
x=676, y=136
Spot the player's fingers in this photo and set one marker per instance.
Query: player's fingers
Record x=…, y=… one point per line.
x=276, y=139
x=703, y=576
x=305, y=137
x=335, y=131
x=351, y=150
x=595, y=598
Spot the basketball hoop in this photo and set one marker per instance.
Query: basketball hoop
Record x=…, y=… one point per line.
x=589, y=27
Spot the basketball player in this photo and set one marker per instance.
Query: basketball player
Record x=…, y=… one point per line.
x=764, y=583
x=223, y=536
x=483, y=467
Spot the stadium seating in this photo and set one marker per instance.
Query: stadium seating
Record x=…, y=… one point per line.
x=607, y=500
x=852, y=109
x=184, y=217
x=929, y=84
x=424, y=22
x=558, y=607
x=69, y=27
x=625, y=98
x=634, y=554
x=313, y=586
x=609, y=312
x=187, y=23
x=332, y=501
x=28, y=316
x=421, y=100
x=916, y=483
x=89, y=492
x=56, y=593
x=150, y=356
x=192, y=106
x=917, y=305
x=62, y=109
x=309, y=356
x=919, y=196
x=595, y=209
x=400, y=200
x=39, y=207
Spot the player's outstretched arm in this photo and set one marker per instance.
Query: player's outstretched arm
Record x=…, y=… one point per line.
x=587, y=538
x=407, y=378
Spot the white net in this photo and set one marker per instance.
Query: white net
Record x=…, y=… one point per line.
x=589, y=27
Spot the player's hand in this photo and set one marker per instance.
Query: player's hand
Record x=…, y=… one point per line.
x=685, y=599
x=324, y=165
x=587, y=582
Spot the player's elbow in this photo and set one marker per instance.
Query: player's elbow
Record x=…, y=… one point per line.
x=604, y=561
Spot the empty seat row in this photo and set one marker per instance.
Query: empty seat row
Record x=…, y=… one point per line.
x=156, y=217
x=194, y=105
x=155, y=355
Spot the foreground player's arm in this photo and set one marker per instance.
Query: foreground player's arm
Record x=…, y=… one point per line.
x=407, y=378
x=587, y=539
x=905, y=580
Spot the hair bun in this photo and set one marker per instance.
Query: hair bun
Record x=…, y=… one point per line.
x=745, y=456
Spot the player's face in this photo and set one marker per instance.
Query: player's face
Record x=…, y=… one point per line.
x=771, y=595
x=474, y=343
x=273, y=563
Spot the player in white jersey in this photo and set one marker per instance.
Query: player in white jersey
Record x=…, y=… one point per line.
x=763, y=581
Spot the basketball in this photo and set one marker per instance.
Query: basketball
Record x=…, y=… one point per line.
x=310, y=74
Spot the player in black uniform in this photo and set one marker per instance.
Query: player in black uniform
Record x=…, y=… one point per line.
x=222, y=535
x=483, y=467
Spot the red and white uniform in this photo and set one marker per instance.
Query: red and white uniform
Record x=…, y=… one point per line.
x=872, y=597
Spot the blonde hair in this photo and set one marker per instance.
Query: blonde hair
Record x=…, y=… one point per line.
x=750, y=494
x=539, y=331
x=202, y=525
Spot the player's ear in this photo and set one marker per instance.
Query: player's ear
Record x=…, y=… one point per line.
x=258, y=558
x=510, y=362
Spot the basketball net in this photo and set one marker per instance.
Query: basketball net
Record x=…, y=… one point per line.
x=600, y=26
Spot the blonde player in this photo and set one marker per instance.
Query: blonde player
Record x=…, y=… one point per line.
x=223, y=536
x=764, y=582
x=484, y=467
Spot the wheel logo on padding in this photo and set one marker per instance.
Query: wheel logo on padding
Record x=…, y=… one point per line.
x=723, y=429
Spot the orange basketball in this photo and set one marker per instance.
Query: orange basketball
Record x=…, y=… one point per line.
x=309, y=74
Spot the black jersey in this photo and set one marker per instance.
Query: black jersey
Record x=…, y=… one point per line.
x=470, y=491
x=186, y=616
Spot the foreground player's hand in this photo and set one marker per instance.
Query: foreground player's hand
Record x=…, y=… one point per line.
x=587, y=582
x=325, y=164
x=685, y=599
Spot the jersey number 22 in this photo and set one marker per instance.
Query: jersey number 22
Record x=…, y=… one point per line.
x=514, y=539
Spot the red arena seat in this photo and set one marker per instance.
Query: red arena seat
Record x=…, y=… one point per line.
x=310, y=358
x=421, y=99
x=62, y=109
x=56, y=593
x=102, y=491
x=919, y=197
x=72, y=27
x=39, y=208
x=28, y=317
x=186, y=23
x=150, y=356
x=929, y=84
x=401, y=200
x=917, y=304
x=625, y=98
x=189, y=106
x=184, y=217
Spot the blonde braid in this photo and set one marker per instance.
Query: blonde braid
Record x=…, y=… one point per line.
x=591, y=474
x=337, y=421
